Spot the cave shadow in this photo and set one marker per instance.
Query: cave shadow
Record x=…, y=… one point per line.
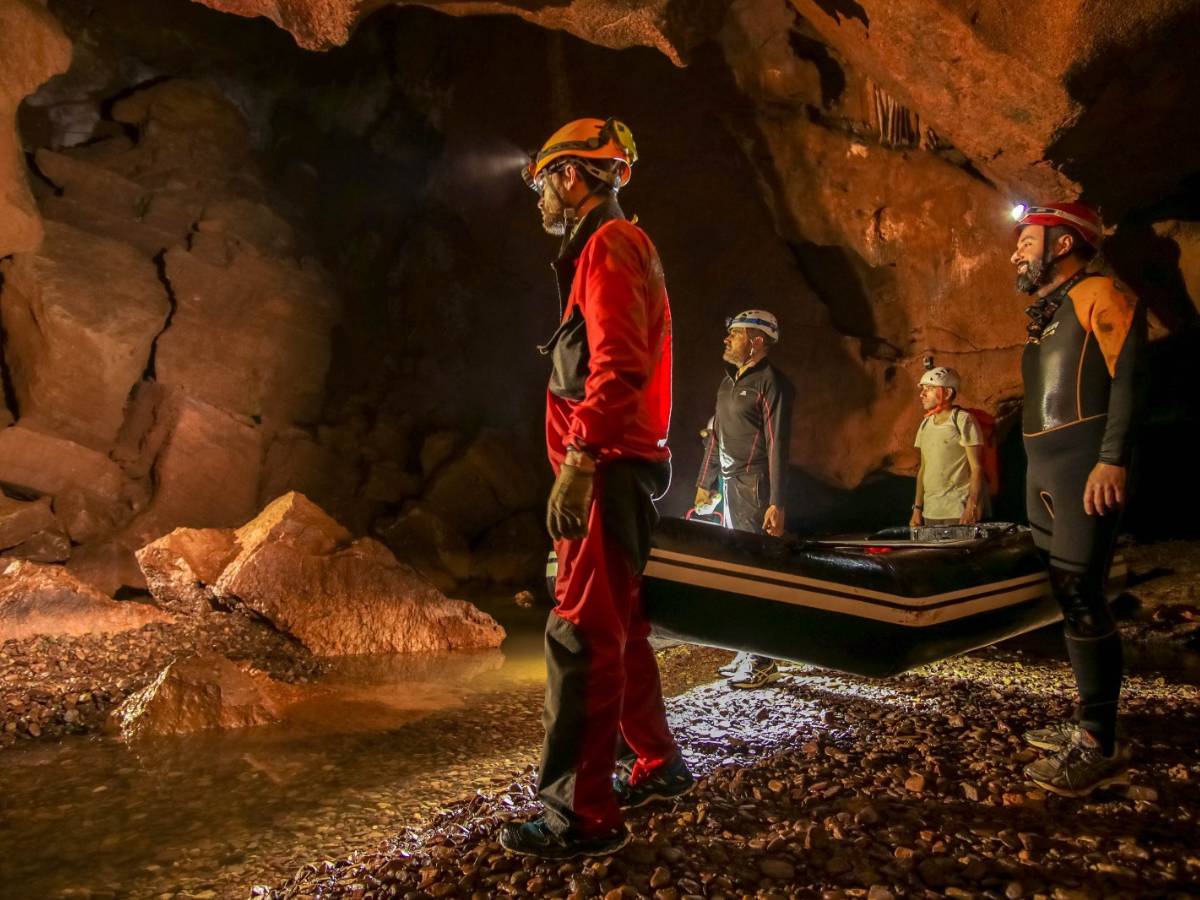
x=1136, y=137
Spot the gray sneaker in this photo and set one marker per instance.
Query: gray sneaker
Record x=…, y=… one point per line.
x=1056, y=737
x=731, y=668
x=1079, y=769
x=758, y=672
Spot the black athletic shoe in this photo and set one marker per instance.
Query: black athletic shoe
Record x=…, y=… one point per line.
x=670, y=781
x=1080, y=768
x=534, y=838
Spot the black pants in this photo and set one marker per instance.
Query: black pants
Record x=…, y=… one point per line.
x=1078, y=549
x=746, y=500
x=747, y=496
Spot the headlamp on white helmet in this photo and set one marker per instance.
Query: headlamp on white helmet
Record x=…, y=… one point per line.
x=940, y=376
x=756, y=318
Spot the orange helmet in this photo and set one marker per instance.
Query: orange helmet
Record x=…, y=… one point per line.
x=587, y=139
x=1083, y=218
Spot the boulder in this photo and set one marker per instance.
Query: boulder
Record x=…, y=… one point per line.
x=20, y=520
x=86, y=517
x=297, y=568
x=389, y=483
x=107, y=566
x=50, y=545
x=190, y=136
x=97, y=200
x=205, y=474
x=31, y=460
x=178, y=566
x=513, y=552
x=427, y=542
x=33, y=48
x=438, y=447
x=38, y=599
x=250, y=337
x=80, y=316
x=481, y=487
x=202, y=693
x=244, y=221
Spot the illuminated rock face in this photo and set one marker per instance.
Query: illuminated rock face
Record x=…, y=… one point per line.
x=46, y=600
x=32, y=48
x=204, y=693
x=303, y=572
x=176, y=356
x=666, y=26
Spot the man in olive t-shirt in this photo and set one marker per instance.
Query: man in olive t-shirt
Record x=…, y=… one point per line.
x=950, y=480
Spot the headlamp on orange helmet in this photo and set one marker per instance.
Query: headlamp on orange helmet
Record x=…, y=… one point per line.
x=587, y=142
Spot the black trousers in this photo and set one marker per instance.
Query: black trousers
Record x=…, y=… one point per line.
x=1078, y=549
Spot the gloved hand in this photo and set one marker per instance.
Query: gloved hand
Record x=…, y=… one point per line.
x=570, y=502
x=706, y=501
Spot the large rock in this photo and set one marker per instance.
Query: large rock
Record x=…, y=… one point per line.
x=20, y=520
x=107, y=566
x=33, y=461
x=50, y=545
x=299, y=569
x=424, y=540
x=178, y=566
x=80, y=317
x=100, y=201
x=202, y=693
x=33, y=48
x=483, y=486
x=39, y=599
x=513, y=552
x=251, y=337
x=205, y=473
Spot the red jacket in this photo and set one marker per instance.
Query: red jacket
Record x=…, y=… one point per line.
x=610, y=390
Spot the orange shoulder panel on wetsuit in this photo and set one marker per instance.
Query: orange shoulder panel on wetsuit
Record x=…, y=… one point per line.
x=1105, y=309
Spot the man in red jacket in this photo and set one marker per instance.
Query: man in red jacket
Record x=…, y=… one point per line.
x=607, y=411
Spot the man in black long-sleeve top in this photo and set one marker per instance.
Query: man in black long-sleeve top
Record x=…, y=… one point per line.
x=1081, y=369
x=746, y=457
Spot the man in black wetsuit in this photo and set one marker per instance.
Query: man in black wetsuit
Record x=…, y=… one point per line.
x=746, y=456
x=1080, y=369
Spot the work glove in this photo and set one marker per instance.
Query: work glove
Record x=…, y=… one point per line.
x=570, y=502
x=706, y=501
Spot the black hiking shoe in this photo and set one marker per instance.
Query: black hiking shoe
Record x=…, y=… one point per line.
x=1080, y=768
x=534, y=838
x=670, y=781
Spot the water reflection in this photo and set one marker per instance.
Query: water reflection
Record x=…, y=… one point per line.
x=383, y=743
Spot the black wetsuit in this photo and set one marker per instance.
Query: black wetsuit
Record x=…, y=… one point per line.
x=1082, y=378
x=750, y=436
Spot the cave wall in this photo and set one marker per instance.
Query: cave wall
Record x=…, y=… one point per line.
x=266, y=268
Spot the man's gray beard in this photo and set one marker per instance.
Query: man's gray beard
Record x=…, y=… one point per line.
x=556, y=226
x=1033, y=277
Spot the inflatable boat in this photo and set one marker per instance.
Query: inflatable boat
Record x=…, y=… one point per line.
x=875, y=606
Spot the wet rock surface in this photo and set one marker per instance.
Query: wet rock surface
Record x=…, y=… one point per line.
x=51, y=686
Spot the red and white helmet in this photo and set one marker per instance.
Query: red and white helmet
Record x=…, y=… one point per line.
x=1079, y=216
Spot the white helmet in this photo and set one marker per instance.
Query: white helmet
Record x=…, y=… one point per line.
x=940, y=377
x=756, y=318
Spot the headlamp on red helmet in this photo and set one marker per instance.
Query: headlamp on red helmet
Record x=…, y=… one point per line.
x=1083, y=219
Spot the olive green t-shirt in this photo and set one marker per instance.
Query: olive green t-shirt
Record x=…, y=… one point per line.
x=947, y=477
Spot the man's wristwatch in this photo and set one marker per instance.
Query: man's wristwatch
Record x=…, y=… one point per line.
x=918, y=507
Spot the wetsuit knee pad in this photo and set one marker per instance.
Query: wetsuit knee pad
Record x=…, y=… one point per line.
x=1085, y=609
